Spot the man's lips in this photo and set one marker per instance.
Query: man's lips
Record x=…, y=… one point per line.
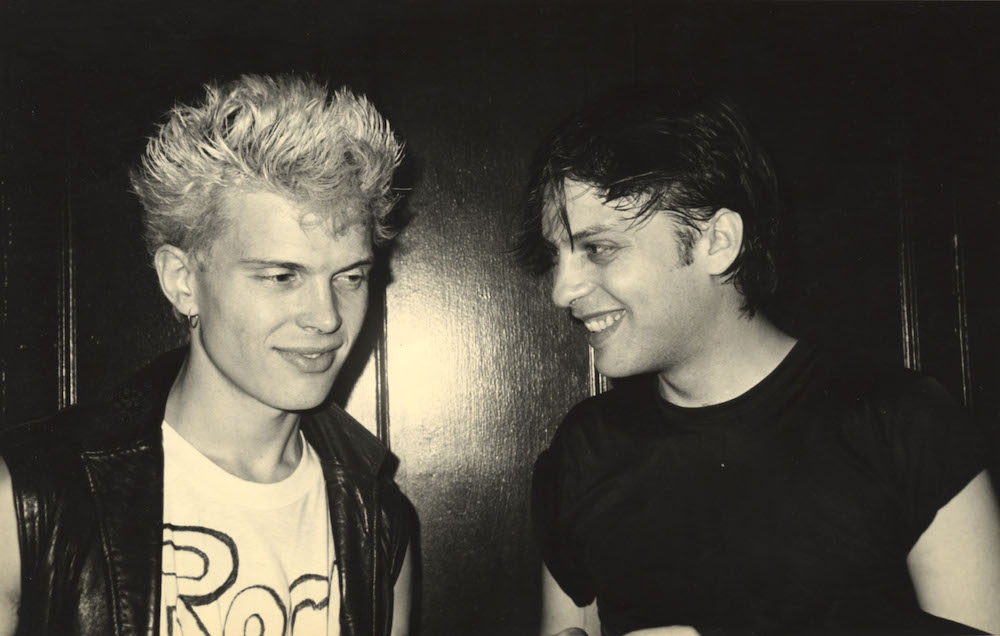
x=310, y=359
x=598, y=322
x=311, y=351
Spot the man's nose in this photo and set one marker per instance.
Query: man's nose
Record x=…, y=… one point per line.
x=570, y=283
x=321, y=310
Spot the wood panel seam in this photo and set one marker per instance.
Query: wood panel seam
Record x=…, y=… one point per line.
x=909, y=317
x=67, y=309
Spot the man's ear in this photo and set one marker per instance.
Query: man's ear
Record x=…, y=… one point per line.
x=176, y=270
x=723, y=240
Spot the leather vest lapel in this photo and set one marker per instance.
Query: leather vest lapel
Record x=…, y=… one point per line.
x=127, y=487
x=350, y=521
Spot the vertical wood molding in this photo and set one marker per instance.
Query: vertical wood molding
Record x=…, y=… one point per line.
x=66, y=353
x=909, y=318
x=8, y=214
x=382, y=373
x=961, y=297
x=598, y=381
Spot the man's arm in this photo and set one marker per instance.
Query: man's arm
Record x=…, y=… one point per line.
x=10, y=556
x=402, y=596
x=955, y=565
x=560, y=615
x=665, y=631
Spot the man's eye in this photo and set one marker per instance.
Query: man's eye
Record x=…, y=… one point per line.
x=353, y=279
x=280, y=277
x=598, y=249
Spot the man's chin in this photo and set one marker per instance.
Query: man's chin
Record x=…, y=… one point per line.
x=301, y=406
x=306, y=401
x=615, y=369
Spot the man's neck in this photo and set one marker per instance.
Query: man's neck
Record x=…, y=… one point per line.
x=728, y=364
x=242, y=436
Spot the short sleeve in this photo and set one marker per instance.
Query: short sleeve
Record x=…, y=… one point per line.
x=552, y=497
x=399, y=523
x=937, y=447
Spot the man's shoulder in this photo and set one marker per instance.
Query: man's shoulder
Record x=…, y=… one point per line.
x=630, y=401
x=109, y=422
x=880, y=399
x=857, y=375
x=339, y=438
x=44, y=457
x=607, y=406
x=53, y=435
x=362, y=458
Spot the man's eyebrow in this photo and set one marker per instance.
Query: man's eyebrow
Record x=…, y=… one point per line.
x=267, y=262
x=594, y=229
x=581, y=235
x=299, y=267
x=364, y=262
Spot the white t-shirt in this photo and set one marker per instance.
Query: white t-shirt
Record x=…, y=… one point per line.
x=242, y=558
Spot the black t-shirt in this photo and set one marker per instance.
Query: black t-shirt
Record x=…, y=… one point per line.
x=790, y=509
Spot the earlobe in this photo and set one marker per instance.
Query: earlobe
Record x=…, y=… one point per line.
x=176, y=270
x=725, y=238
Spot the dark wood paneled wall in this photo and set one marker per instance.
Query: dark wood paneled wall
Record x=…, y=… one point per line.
x=881, y=119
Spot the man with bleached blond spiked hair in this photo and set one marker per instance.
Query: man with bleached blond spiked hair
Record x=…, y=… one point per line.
x=219, y=490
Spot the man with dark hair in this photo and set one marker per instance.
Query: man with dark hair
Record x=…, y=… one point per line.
x=217, y=492
x=739, y=481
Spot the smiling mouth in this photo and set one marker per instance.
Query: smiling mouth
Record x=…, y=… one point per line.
x=602, y=322
x=310, y=361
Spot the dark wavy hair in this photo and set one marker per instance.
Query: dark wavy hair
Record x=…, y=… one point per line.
x=648, y=150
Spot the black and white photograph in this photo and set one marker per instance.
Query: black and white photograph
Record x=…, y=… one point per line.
x=499, y=317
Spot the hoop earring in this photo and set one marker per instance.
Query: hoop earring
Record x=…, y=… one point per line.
x=193, y=321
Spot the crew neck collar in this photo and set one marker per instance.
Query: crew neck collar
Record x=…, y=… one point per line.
x=209, y=476
x=782, y=379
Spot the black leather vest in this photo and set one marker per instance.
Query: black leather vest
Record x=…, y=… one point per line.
x=88, y=494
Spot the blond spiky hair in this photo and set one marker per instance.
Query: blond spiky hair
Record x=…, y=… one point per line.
x=280, y=134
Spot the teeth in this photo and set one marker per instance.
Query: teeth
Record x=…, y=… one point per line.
x=311, y=356
x=603, y=322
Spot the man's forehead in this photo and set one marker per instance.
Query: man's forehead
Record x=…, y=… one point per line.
x=584, y=209
x=334, y=218
x=266, y=225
